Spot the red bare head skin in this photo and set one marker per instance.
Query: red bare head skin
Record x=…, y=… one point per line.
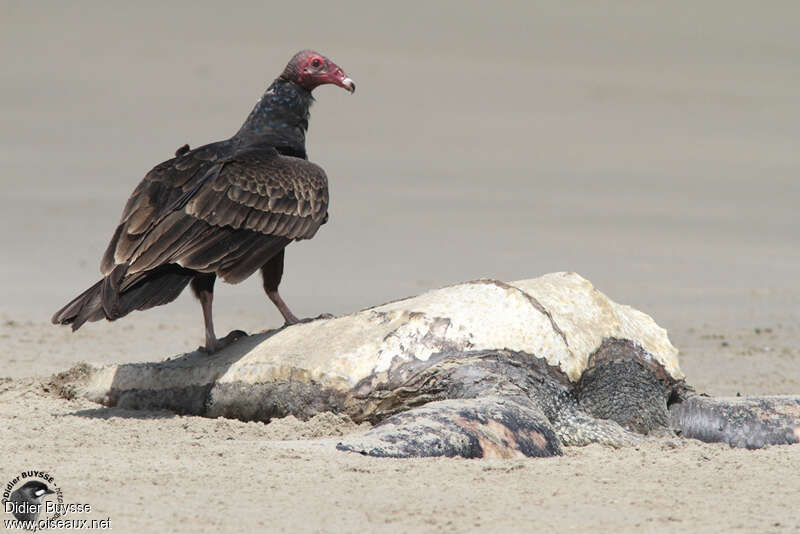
x=309, y=69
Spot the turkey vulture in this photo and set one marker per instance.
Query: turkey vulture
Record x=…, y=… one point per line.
x=222, y=210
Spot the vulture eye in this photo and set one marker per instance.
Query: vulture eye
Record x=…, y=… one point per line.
x=316, y=62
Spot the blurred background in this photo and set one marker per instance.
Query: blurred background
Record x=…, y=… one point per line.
x=653, y=149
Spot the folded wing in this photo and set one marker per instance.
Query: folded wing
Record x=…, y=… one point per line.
x=218, y=210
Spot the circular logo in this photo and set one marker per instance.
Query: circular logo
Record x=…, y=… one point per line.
x=33, y=496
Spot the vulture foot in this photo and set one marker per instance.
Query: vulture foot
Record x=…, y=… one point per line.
x=220, y=344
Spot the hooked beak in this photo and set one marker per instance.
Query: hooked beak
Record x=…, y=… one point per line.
x=349, y=84
x=338, y=77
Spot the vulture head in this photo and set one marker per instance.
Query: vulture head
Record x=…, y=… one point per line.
x=308, y=69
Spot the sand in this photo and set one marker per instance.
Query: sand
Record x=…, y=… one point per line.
x=653, y=150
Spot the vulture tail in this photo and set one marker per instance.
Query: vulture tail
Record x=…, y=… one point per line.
x=116, y=295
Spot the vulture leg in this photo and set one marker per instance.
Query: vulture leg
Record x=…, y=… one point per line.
x=203, y=288
x=272, y=272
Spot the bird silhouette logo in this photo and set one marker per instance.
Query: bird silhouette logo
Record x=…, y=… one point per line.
x=26, y=498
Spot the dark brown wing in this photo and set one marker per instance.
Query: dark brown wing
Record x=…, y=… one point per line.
x=267, y=193
x=227, y=215
x=155, y=197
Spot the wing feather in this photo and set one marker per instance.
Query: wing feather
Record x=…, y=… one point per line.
x=218, y=209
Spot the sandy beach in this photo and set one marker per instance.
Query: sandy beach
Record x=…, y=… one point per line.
x=653, y=150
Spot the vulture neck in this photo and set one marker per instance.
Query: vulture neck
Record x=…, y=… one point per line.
x=279, y=119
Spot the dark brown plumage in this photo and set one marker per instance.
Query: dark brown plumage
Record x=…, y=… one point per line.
x=226, y=209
